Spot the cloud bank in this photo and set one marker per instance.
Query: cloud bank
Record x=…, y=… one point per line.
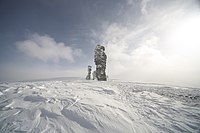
x=45, y=48
x=161, y=47
x=20, y=73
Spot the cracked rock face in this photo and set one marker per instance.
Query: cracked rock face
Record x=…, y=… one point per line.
x=100, y=62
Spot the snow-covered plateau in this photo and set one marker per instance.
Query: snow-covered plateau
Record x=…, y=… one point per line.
x=80, y=106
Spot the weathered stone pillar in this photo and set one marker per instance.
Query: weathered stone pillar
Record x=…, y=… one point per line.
x=88, y=77
x=100, y=62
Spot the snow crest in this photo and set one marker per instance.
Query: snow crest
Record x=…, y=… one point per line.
x=78, y=106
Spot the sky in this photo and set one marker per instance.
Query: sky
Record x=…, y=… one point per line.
x=150, y=41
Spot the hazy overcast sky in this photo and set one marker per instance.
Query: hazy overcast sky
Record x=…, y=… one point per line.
x=146, y=40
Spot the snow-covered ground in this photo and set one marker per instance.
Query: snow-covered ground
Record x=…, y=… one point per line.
x=78, y=106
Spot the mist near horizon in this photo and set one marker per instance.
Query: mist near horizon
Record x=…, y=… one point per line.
x=145, y=41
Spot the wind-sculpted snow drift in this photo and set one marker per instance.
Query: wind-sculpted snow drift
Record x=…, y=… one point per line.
x=78, y=106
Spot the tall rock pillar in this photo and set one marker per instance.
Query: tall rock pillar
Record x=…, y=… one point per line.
x=100, y=62
x=88, y=77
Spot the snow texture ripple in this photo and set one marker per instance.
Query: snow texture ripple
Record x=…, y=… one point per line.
x=79, y=106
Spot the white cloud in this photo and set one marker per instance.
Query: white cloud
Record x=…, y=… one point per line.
x=45, y=48
x=143, y=6
x=141, y=52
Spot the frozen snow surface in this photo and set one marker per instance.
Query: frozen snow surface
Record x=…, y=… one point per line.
x=79, y=106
